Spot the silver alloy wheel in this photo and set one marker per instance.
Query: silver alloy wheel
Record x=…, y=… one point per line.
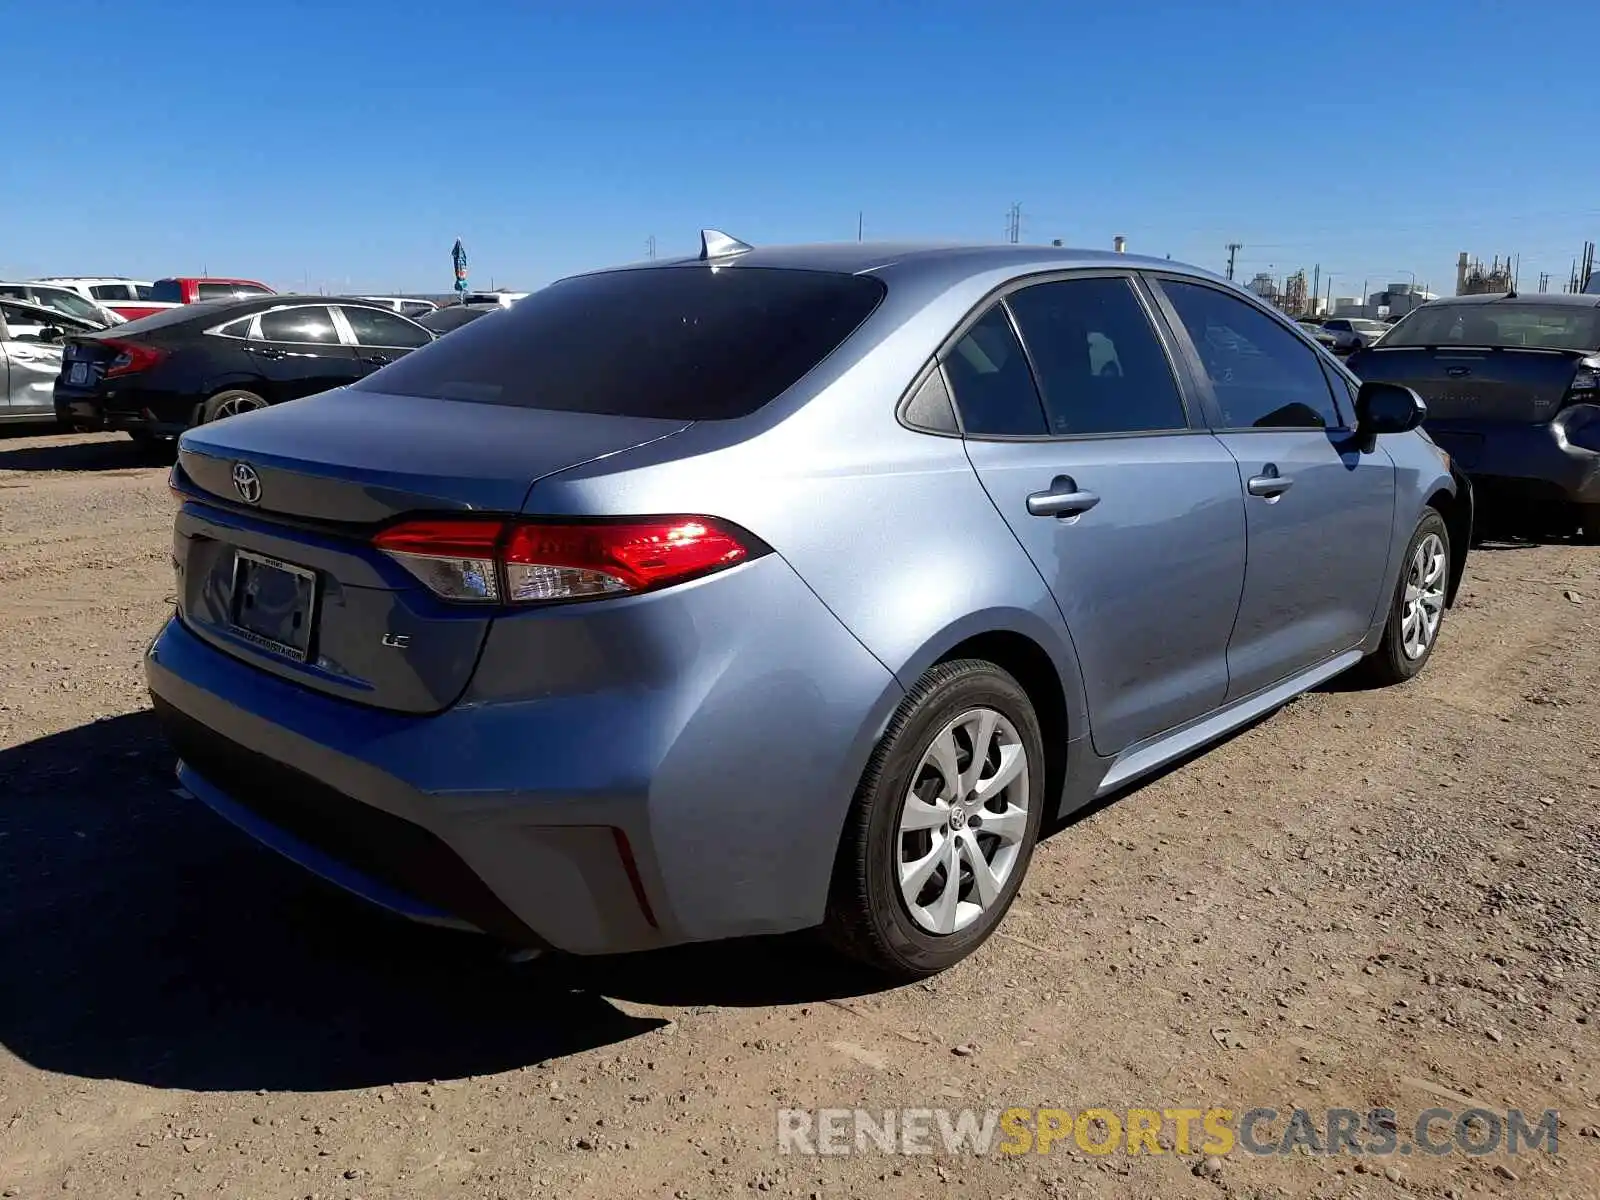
x=235, y=405
x=963, y=821
x=1423, y=605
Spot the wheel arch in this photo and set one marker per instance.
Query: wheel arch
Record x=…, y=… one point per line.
x=1455, y=506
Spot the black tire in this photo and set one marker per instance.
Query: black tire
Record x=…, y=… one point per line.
x=1389, y=663
x=233, y=397
x=868, y=919
x=1589, y=524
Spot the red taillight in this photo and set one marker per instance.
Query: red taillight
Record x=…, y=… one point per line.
x=528, y=562
x=131, y=357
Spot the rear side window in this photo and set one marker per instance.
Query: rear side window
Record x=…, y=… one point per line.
x=111, y=291
x=249, y=289
x=146, y=291
x=379, y=327
x=216, y=291
x=683, y=343
x=1101, y=369
x=992, y=382
x=166, y=291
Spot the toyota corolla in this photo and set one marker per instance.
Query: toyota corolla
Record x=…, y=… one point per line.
x=783, y=588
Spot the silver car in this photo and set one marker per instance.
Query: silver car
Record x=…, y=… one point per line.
x=30, y=358
x=783, y=588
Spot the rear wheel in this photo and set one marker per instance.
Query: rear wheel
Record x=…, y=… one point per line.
x=230, y=404
x=1417, y=610
x=943, y=823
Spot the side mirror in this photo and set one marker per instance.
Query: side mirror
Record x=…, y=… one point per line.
x=1388, y=408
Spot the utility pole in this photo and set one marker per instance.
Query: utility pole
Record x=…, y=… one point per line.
x=861, y=219
x=1316, y=287
x=1014, y=223
x=1233, y=249
x=650, y=247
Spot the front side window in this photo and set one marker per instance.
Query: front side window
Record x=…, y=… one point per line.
x=312, y=323
x=380, y=327
x=992, y=383
x=1100, y=368
x=1263, y=376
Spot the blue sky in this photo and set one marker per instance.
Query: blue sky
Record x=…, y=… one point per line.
x=347, y=143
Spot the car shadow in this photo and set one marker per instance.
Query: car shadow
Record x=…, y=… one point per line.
x=102, y=454
x=144, y=939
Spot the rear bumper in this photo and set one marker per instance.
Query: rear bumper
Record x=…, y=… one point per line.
x=158, y=415
x=1529, y=461
x=709, y=808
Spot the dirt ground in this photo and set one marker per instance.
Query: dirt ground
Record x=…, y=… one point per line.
x=1385, y=899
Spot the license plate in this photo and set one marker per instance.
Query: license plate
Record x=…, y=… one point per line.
x=273, y=604
x=79, y=373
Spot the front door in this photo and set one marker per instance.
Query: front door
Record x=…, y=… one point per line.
x=1131, y=514
x=299, y=352
x=1319, y=511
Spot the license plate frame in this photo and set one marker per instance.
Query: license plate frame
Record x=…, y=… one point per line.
x=269, y=635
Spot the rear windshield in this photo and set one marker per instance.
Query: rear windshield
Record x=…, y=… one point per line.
x=442, y=320
x=208, y=310
x=1504, y=324
x=166, y=291
x=682, y=343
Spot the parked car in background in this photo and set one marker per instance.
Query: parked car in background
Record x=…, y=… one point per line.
x=406, y=306
x=1512, y=384
x=129, y=299
x=190, y=289
x=1312, y=328
x=201, y=362
x=453, y=316
x=1353, y=333
x=956, y=545
x=30, y=358
x=501, y=297
x=62, y=300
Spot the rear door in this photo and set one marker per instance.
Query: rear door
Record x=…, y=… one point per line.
x=380, y=336
x=1129, y=509
x=298, y=351
x=1319, y=511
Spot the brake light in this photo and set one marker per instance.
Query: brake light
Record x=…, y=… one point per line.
x=532, y=562
x=131, y=357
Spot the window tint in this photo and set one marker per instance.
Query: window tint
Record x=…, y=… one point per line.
x=250, y=289
x=166, y=291
x=454, y=316
x=991, y=381
x=379, y=327
x=310, y=324
x=145, y=291
x=685, y=343
x=238, y=329
x=1263, y=376
x=111, y=291
x=1100, y=367
x=216, y=291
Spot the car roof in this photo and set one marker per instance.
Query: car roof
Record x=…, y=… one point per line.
x=1539, y=299
x=931, y=262
x=208, y=279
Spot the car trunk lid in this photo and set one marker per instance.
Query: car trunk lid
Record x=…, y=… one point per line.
x=1469, y=385
x=275, y=559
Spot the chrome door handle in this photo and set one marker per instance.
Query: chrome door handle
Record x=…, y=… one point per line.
x=1269, y=484
x=1062, y=499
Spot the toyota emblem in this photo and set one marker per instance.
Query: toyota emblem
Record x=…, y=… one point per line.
x=247, y=483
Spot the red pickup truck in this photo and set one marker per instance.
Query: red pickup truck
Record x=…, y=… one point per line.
x=186, y=289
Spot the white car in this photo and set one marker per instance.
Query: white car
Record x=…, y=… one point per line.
x=62, y=299
x=127, y=298
x=503, y=298
x=406, y=306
